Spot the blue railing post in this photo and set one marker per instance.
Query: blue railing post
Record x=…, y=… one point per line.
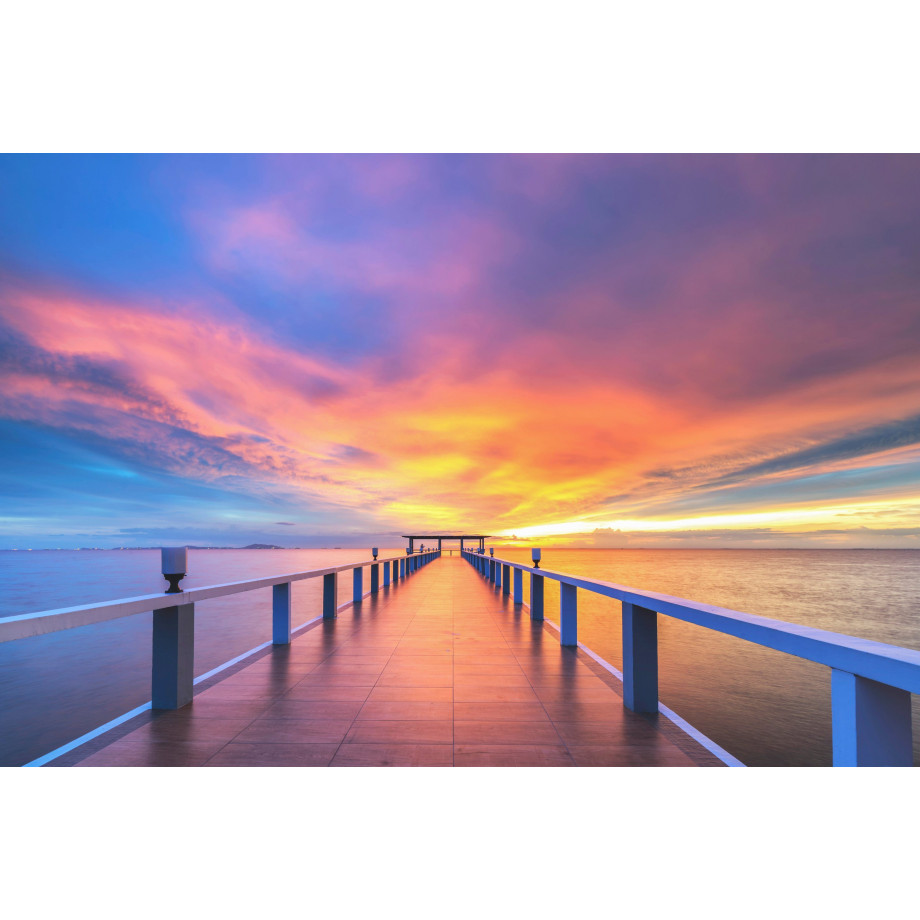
x=402, y=568
x=640, y=658
x=358, y=584
x=281, y=614
x=536, y=597
x=375, y=578
x=492, y=571
x=506, y=579
x=386, y=574
x=498, y=574
x=395, y=577
x=871, y=722
x=330, y=595
x=568, y=614
x=173, y=656
x=518, y=586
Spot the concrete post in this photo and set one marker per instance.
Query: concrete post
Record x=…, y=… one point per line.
x=402, y=568
x=536, y=597
x=498, y=574
x=871, y=722
x=506, y=579
x=411, y=546
x=386, y=574
x=395, y=571
x=640, y=658
x=173, y=656
x=330, y=595
x=492, y=571
x=568, y=615
x=518, y=586
x=358, y=584
x=375, y=578
x=281, y=614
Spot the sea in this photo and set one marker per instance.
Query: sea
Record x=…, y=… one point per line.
x=766, y=708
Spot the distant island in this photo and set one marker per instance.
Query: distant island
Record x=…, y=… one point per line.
x=262, y=546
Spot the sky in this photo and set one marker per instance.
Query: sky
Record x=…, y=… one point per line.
x=582, y=350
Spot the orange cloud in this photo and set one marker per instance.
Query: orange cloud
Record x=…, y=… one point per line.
x=531, y=440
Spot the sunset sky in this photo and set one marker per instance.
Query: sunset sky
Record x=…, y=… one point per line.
x=573, y=350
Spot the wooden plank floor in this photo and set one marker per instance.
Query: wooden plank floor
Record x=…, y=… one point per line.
x=438, y=670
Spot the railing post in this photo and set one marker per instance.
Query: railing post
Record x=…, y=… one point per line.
x=395, y=571
x=173, y=656
x=518, y=586
x=358, y=584
x=871, y=722
x=640, y=658
x=402, y=568
x=281, y=614
x=375, y=578
x=386, y=574
x=330, y=595
x=492, y=571
x=498, y=574
x=506, y=579
x=536, y=597
x=568, y=614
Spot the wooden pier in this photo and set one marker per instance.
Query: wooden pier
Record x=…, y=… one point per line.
x=442, y=669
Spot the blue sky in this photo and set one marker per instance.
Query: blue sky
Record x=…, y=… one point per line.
x=354, y=345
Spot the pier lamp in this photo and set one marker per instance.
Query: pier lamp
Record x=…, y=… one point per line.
x=374, y=551
x=535, y=555
x=174, y=566
x=491, y=550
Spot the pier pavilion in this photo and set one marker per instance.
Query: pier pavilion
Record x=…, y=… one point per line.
x=480, y=538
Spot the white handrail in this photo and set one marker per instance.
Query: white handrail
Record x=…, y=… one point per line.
x=871, y=681
x=25, y=625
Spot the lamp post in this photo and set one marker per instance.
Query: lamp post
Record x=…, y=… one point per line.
x=374, y=550
x=174, y=566
x=535, y=555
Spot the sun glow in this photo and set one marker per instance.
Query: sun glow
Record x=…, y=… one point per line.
x=788, y=519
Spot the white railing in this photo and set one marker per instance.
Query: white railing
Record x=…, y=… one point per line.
x=174, y=616
x=871, y=682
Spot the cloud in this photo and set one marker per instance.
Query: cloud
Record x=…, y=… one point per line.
x=501, y=341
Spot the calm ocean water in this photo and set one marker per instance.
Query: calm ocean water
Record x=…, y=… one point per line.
x=766, y=708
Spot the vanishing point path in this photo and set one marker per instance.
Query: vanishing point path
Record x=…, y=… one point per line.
x=440, y=669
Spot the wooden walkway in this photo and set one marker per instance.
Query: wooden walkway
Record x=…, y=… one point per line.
x=438, y=670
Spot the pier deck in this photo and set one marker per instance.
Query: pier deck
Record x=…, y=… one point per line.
x=437, y=670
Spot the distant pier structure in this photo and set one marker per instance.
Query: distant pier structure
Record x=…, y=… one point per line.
x=462, y=537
